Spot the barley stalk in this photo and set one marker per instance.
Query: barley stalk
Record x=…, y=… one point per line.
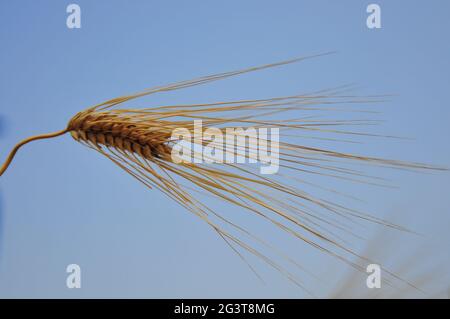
x=139, y=142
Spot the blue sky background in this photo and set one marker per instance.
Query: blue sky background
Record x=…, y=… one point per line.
x=62, y=203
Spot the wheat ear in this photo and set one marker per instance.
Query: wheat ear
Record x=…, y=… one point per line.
x=139, y=142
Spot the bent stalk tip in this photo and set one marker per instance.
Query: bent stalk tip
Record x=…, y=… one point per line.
x=13, y=152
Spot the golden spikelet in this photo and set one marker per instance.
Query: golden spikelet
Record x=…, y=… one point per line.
x=139, y=141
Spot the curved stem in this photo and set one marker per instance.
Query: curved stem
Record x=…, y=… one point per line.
x=25, y=141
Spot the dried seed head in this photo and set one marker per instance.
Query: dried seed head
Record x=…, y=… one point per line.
x=139, y=141
x=119, y=132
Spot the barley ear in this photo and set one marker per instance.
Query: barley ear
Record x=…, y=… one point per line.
x=25, y=141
